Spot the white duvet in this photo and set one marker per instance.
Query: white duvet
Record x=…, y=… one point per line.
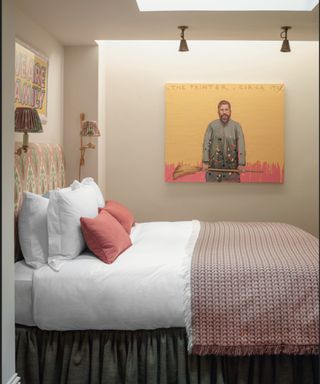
x=142, y=289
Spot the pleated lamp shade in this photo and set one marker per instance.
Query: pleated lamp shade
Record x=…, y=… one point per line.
x=89, y=128
x=27, y=120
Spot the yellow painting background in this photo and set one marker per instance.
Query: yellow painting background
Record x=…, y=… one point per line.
x=259, y=108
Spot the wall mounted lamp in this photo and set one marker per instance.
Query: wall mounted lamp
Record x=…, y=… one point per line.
x=285, y=44
x=183, y=47
x=26, y=120
x=88, y=128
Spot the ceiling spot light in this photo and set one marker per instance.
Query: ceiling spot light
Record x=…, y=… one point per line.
x=183, y=47
x=285, y=44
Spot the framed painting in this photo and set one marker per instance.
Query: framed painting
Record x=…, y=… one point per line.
x=224, y=133
x=31, y=79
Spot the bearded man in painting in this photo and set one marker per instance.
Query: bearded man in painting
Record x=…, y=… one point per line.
x=223, y=147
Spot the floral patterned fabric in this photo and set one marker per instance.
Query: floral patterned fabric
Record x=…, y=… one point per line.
x=38, y=170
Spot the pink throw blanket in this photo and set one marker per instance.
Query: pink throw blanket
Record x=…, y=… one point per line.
x=254, y=290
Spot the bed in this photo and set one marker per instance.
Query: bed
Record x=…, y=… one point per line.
x=131, y=321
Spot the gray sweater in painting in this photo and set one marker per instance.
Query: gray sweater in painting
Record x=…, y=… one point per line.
x=223, y=145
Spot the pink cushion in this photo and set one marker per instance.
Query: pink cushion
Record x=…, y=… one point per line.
x=105, y=236
x=121, y=213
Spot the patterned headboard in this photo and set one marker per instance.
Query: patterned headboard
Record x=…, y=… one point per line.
x=38, y=170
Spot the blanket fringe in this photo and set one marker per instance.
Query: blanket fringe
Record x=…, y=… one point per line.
x=247, y=350
x=186, y=273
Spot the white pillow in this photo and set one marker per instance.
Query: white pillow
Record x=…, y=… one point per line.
x=64, y=231
x=32, y=229
x=88, y=181
x=47, y=194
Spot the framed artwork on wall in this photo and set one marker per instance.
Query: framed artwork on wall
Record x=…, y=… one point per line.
x=224, y=133
x=31, y=79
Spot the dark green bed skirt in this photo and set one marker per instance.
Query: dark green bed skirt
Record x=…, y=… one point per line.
x=137, y=357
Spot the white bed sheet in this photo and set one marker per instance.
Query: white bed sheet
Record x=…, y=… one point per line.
x=23, y=293
x=142, y=289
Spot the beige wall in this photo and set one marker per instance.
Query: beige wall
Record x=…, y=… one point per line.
x=7, y=251
x=132, y=120
x=38, y=38
x=17, y=24
x=80, y=96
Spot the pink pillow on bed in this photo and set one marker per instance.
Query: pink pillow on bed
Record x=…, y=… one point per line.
x=121, y=213
x=105, y=236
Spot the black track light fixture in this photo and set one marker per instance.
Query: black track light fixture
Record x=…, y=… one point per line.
x=285, y=44
x=183, y=47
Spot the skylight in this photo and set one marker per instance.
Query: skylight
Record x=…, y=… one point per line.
x=226, y=5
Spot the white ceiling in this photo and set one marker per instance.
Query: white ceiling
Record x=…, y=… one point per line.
x=80, y=22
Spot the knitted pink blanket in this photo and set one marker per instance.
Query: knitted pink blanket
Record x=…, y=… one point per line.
x=254, y=290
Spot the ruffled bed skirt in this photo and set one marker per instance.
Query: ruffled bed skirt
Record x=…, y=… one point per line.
x=138, y=357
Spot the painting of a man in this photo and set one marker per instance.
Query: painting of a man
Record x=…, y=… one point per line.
x=223, y=147
x=224, y=133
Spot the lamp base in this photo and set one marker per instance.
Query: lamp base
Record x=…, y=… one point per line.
x=20, y=150
x=25, y=142
x=25, y=145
